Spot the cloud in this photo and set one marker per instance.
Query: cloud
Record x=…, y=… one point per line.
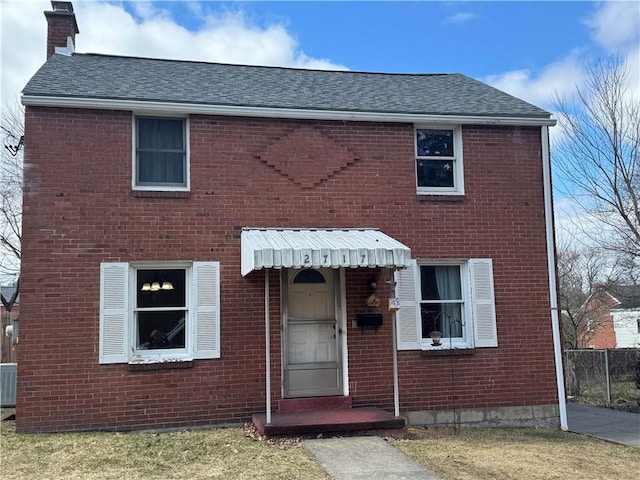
x=633, y=62
x=24, y=45
x=150, y=31
x=616, y=25
x=227, y=37
x=612, y=30
x=459, y=18
x=539, y=88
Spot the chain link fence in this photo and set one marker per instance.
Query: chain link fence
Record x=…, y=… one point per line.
x=609, y=377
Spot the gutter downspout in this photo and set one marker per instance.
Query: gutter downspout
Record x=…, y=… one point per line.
x=551, y=265
x=267, y=343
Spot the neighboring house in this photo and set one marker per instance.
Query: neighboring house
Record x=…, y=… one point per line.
x=175, y=211
x=9, y=326
x=616, y=319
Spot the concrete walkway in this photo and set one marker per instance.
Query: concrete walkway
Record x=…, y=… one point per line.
x=606, y=423
x=372, y=458
x=365, y=458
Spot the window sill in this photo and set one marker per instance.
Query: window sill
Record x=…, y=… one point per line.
x=445, y=352
x=431, y=197
x=169, y=364
x=159, y=194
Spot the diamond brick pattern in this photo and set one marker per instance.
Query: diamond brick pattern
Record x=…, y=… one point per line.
x=307, y=156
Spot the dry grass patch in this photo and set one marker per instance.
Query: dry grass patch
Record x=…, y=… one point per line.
x=498, y=454
x=201, y=454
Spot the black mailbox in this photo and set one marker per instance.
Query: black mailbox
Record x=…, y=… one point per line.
x=369, y=320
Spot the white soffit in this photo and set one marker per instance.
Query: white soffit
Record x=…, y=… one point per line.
x=316, y=248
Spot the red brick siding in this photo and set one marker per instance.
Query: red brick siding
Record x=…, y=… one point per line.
x=79, y=211
x=60, y=26
x=603, y=334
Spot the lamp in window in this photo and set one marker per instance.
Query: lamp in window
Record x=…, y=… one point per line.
x=146, y=287
x=155, y=286
x=436, y=335
x=167, y=286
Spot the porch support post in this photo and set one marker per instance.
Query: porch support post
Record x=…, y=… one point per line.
x=267, y=343
x=396, y=395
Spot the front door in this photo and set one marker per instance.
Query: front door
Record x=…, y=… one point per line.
x=311, y=363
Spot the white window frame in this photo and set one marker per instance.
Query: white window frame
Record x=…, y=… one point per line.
x=117, y=338
x=165, y=354
x=467, y=326
x=458, y=165
x=479, y=311
x=134, y=156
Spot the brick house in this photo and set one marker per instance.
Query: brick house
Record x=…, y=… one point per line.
x=615, y=319
x=175, y=212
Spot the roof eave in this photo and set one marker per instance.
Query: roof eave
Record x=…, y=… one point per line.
x=148, y=107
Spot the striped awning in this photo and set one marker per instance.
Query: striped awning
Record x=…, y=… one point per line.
x=316, y=248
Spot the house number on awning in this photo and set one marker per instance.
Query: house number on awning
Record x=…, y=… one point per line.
x=307, y=259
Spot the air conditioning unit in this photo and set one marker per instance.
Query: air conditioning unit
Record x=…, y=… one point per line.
x=8, y=384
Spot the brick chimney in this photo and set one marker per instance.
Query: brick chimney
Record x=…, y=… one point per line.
x=61, y=25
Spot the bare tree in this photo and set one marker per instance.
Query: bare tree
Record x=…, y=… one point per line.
x=11, y=180
x=582, y=280
x=596, y=161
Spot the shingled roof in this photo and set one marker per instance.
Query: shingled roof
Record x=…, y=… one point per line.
x=627, y=296
x=104, y=77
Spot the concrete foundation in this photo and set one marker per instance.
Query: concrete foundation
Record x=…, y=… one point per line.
x=546, y=416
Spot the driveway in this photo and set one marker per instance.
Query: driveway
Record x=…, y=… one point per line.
x=606, y=423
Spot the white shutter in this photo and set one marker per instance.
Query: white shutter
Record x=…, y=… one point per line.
x=206, y=314
x=114, y=312
x=408, y=316
x=482, y=302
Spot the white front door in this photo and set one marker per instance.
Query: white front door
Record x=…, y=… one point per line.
x=311, y=363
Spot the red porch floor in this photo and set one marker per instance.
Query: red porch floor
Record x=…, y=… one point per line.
x=324, y=421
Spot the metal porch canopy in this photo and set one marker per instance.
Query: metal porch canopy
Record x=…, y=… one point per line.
x=316, y=248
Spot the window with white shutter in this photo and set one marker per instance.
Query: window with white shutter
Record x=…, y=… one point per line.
x=446, y=304
x=408, y=316
x=159, y=312
x=207, y=309
x=114, y=312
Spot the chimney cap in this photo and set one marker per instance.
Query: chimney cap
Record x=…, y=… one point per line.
x=62, y=9
x=62, y=6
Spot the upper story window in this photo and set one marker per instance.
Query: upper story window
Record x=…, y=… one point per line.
x=439, y=161
x=161, y=155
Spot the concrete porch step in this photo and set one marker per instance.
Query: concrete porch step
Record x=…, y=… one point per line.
x=327, y=421
x=296, y=405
